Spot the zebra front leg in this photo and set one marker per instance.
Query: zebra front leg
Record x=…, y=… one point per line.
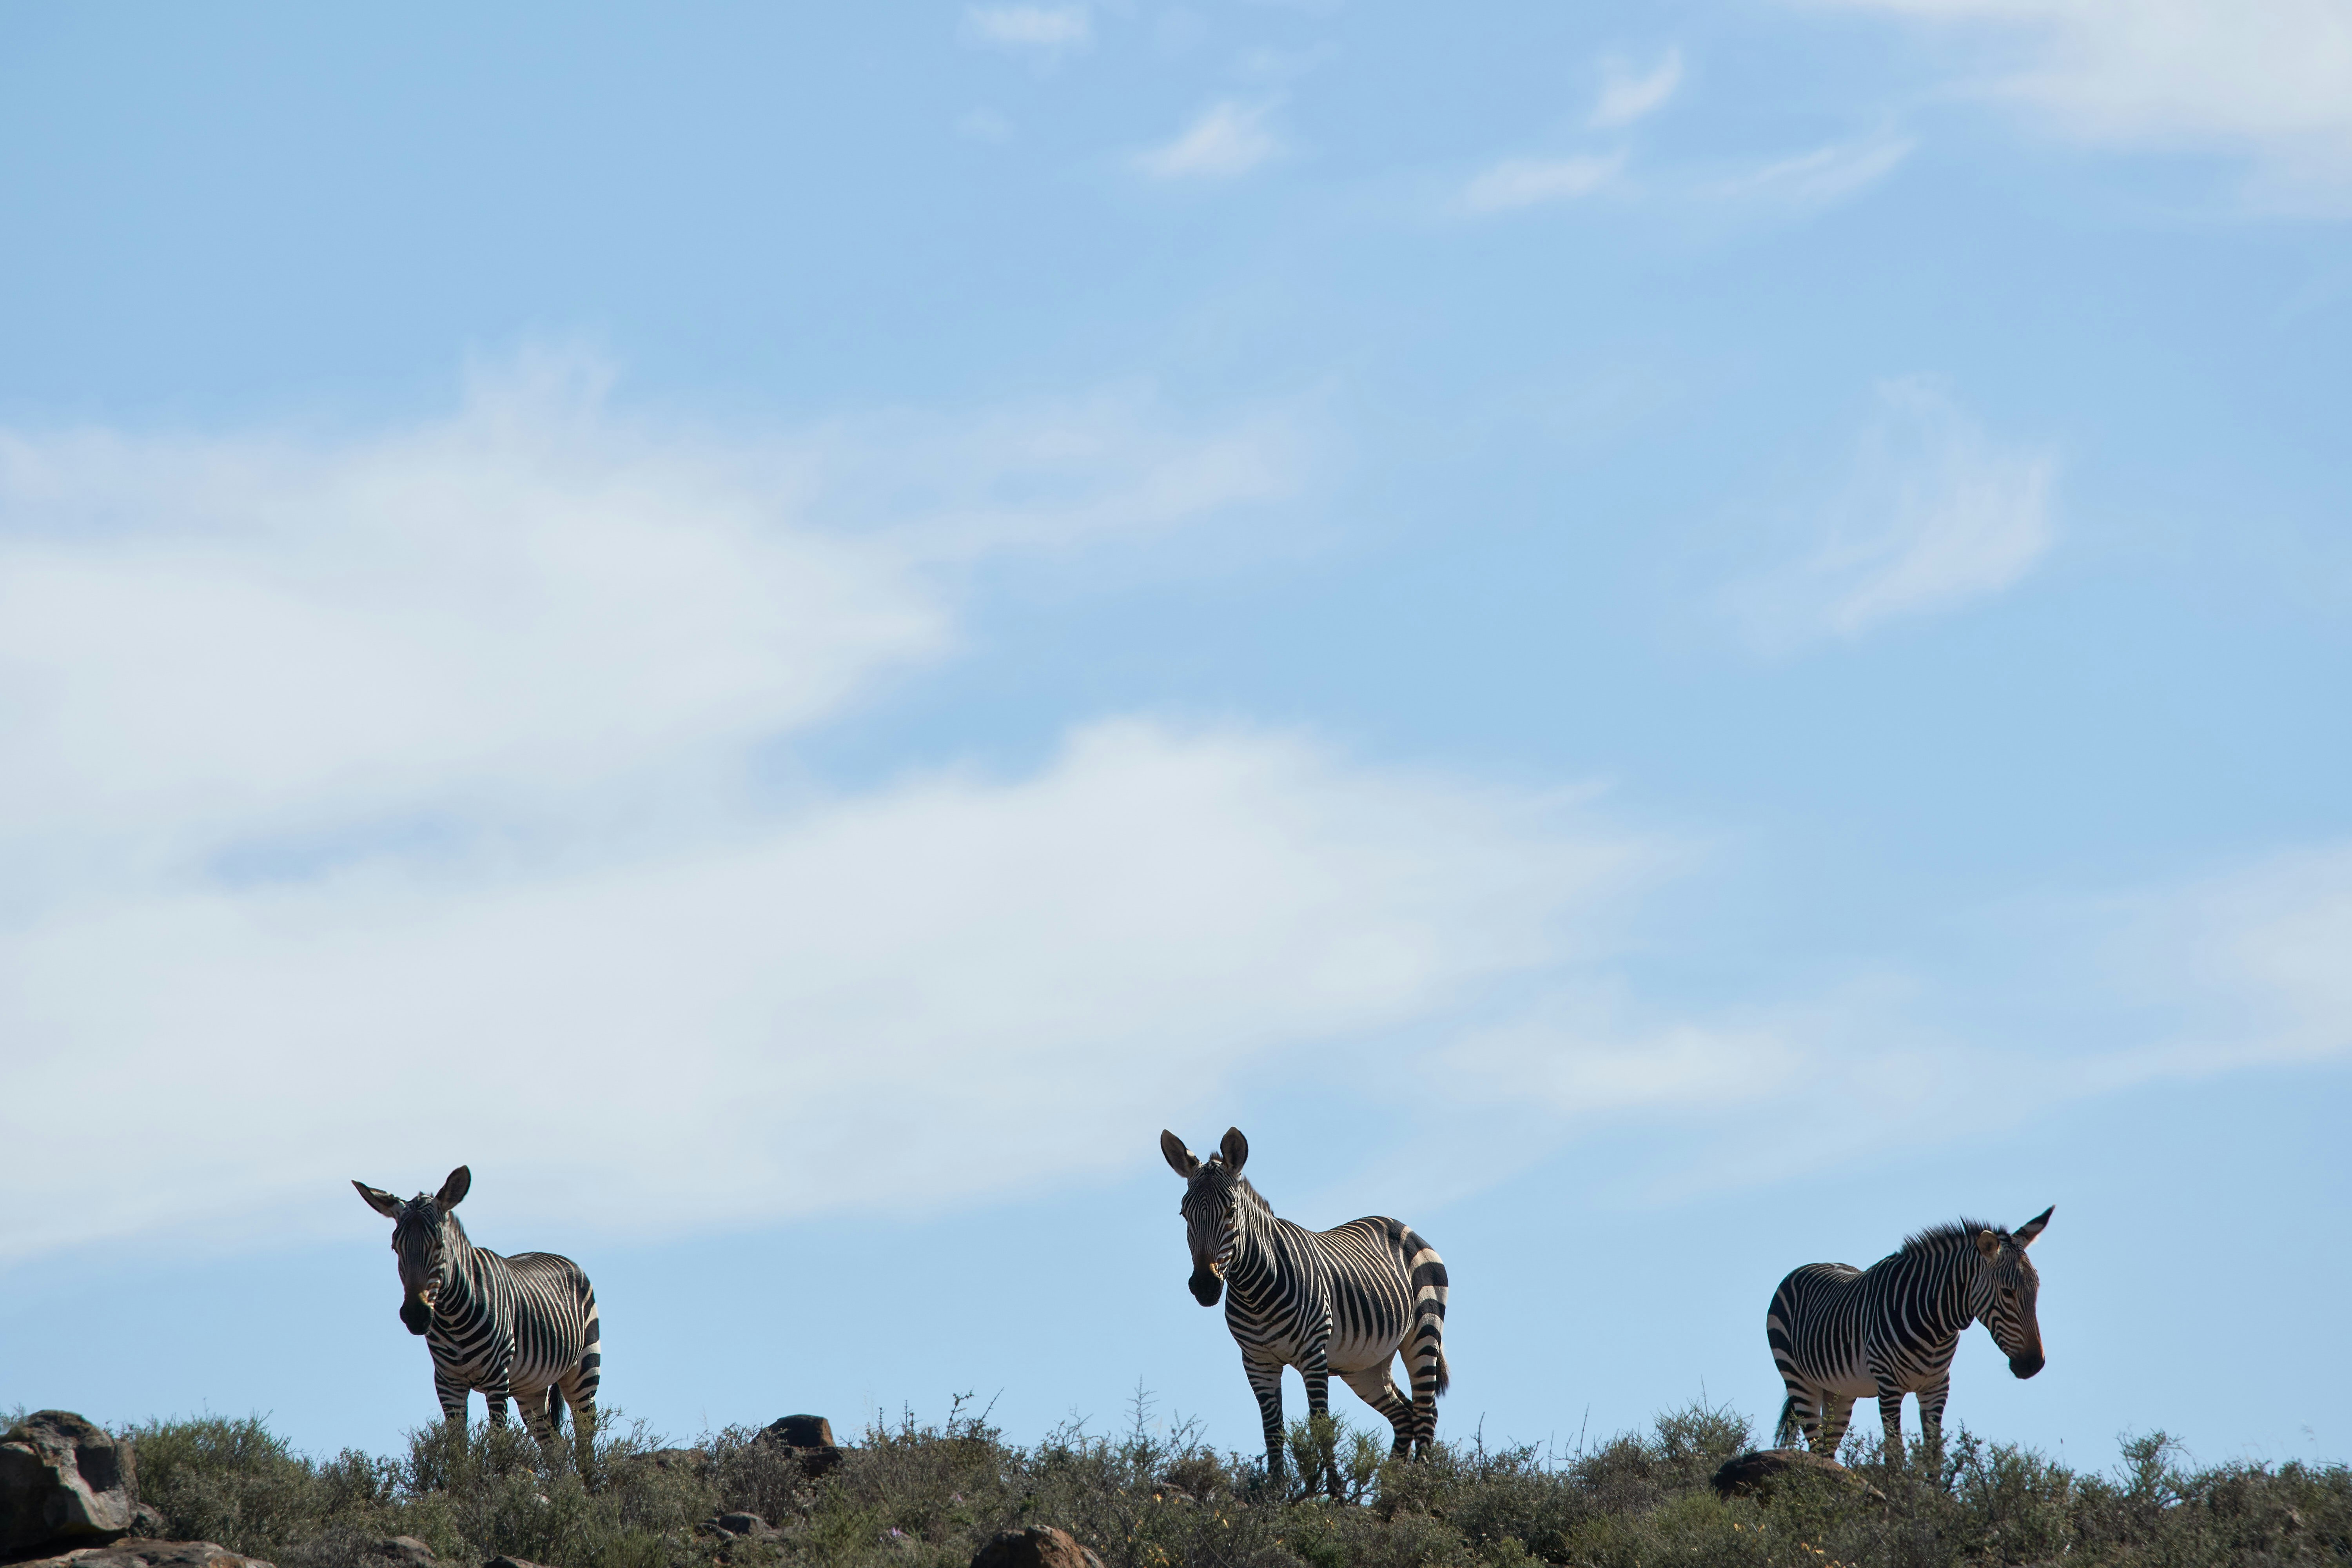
x=1375, y=1388
x=1931, y=1419
x=451, y=1393
x=1319, y=1430
x=1265, y=1382
x=1890, y=1414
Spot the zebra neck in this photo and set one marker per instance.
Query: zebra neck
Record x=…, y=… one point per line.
x=1254, y=1271
x=1940, y=1293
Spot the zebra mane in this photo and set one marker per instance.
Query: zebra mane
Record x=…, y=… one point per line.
x=1936, y=1237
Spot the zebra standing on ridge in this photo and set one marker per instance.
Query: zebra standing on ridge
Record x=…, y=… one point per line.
x=1839, y=1332
x=1345, y=1300
x=524, y=1325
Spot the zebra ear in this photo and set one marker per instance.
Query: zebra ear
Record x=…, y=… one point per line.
x=1181, y=1160
x=452, y=1190
x=1989, y=1244
x=1236, y=1148
x=383, y=1202
x=2032, y=1228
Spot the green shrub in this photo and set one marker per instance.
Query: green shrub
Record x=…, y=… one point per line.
x=913, y=1495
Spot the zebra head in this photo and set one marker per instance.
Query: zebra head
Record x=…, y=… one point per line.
x=1212, y=1209
x=424, y=1235
x=2002, y=1294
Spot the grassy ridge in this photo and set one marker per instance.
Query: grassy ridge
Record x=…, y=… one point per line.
x=924, y=1495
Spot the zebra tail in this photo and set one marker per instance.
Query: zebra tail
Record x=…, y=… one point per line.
x=1785, y=1435
x=1430, y=1288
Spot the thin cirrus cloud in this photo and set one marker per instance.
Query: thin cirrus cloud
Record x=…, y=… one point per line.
x=1822, y=177
x=1934, y=515
x=1045, y=31
x=1228, y=139
x=2269, y=79
x=341, y=774
x=1627, y=95
x=1518, y=183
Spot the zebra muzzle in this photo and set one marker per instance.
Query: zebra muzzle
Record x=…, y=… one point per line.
x=1205, y=1286
x=417, y=1314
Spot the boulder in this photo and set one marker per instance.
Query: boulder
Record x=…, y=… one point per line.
x=1758, y=1471
x=137, y=1552
x=738, y=1526
x=64, y=1483
x=1039, y=1546
x=810, y=1438
x=801, y=1432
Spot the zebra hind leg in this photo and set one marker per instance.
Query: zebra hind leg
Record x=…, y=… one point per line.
x=1375, y=1388
x=1828, y=1430
x=579, y=1391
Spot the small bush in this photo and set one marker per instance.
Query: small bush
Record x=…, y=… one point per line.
x=913, y=1495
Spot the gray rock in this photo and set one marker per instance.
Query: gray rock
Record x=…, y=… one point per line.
x=739, y=1526
x=1760, y=1471
x=1039, y=1546
x=137, y=1552
x=64, y=1483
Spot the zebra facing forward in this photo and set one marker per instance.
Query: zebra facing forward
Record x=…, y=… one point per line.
x=1345, y=1300
x=524, y=1326
x=1838, y=1333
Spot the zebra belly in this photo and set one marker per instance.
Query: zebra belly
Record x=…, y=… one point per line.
x=1360, y=1354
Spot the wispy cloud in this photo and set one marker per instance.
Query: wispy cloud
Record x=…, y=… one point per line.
x=1934, y=515
x=1228, y=139
x=1626, y=96
x=1822, y=177
x=2272, y=78
x=1518, y=183
x=337, y=774
x=1048, y=31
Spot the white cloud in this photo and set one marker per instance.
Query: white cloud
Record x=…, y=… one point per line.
x=369, y=807
x=1626, y=97
x=1824, y=177
x=1530, y=182
x=1934, y=516
x=1228, y=139
x=1048, y=31
x=2252, y=964
x=2272, y=78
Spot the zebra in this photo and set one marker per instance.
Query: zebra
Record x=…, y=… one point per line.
x=1345, y=1300
x=524, y=1326
x=1839, y=1332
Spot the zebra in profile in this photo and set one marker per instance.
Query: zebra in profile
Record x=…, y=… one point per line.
x=1839, y=1332
x=524, y=1326
x=1346, y=1301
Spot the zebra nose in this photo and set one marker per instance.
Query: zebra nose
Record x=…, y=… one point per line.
x=2026, y=1366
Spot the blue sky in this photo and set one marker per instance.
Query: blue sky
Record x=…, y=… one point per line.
x=1669, y=641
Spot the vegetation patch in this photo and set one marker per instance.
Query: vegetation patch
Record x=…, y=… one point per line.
x=927, y=1496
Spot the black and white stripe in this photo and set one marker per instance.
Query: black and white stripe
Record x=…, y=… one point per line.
x=1839, y=1332
x=524, y=1326
x=1347, y=1301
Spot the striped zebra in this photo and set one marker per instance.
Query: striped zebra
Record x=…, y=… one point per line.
x=1346, y=1301
x=1839, y=1332
x=524, y=1326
